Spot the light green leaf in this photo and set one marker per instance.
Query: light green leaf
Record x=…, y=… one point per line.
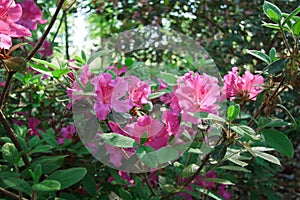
x=147, y=155
x=296, y=28
x=233, y=112
x=118, y=140
x=244, y=130
x=169, y=78
x=156, y=95
x=268, y=157
x=10, y=153
x=291, y=15
x=166, y=154
x=45, y=63
x=189, y=170
x=234, y=168
x=47, y=186
x=272, y=11
x=59, y=72
x=260, y=55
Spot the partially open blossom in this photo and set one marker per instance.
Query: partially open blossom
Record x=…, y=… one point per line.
x=10, y=13
x=248, y=86
x=31, y=15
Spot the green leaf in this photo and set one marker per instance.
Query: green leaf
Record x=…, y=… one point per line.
x=147, y=155
x=10, y=153
x=144, y=138
x=234, y=168
x=233, y=112
x=272, y=54
x=156, y=95
x=45, y=63
x=59, y=72
x=296, y=28
x=272, y=11
x=47, y=186
x=16, y=64
x=268, y=157
x=166, y=154
x=279, y=142
x=189, y=170
x=48, y=163
x=118, y=140
x=219, y=152
x=169, y=78
x=68, y=177
x=260, y=55
x=208, y=116
x=291, y=15
x=219, y=180
x=128, y=62
x=124, y=194
x=17, y=184
x=277, y=66
x=244, y=130
x=79, y=60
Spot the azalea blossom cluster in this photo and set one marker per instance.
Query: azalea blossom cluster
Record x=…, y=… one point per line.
x=246, y=87
x=17, y=19
x=114, y=92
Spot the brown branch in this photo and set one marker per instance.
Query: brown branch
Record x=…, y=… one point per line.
x=6, y=88
x=10, y=194
x=13, y=138
x=41, y=41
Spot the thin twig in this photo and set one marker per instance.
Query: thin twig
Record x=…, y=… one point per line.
x=10, y=194
x=11, y=134
x=41, y=41
x=66, y=35
x=148, y=183
x=6, y=88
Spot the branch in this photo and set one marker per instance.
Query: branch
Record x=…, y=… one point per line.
x=41, y=41
x=5, y=89
x=10, y=194
x=13, y=138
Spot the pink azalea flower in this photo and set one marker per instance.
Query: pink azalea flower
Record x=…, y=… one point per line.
x=138, y=91
x=248, y=86
x=196, y=93
x=223, y=192
x=46, y=49
x=31, y=15
x=109, y=93
x=66, y=132
x=32, y=126
x=10, y=13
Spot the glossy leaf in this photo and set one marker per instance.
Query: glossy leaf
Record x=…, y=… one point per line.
x=233, y=112
x=272, y=11
x=260, y=55
x=47, y=186
x=219, y=152
x=10, y=153
x=279, y=142
x=68, y=177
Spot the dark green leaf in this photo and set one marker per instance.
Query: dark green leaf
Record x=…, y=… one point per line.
x=17, y=184
x=277, y=66
x=125, y=195
x=219, y=152
x=46, y=186
x=16, y=64
x=279, y=142
x=118, y=140
x=234, y=168
x=68, y=177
